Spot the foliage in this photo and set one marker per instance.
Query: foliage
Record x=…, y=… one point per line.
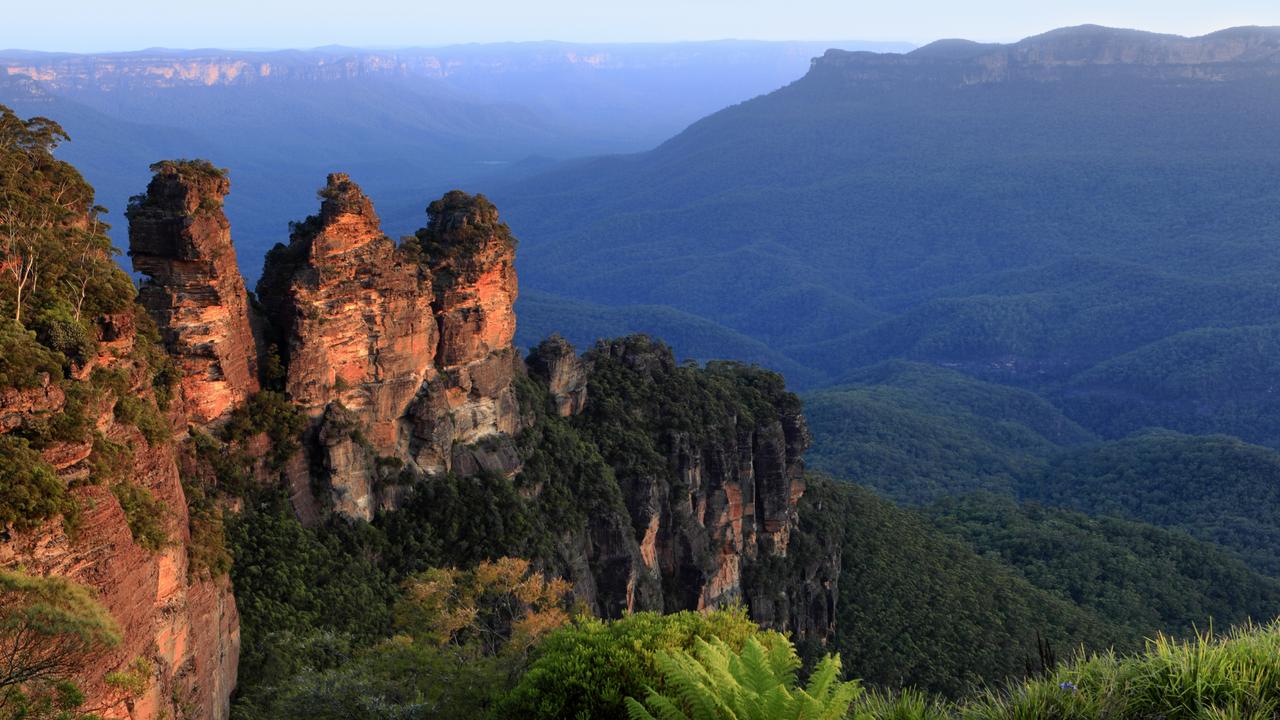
x=54, y=247
x=24, y=362
x=918, y=609
x=451, y=520
x=109, y=460
x=393, y=680
x=586, y=670
x=713, y=682
x=1212, y=380
x=271, y=413
x=305, y=596
x=1218, y=489
x=917, y=433
x=134, y=680
x=146, y=515
x=459, y=226
x=207, y=551
x=143, y=414
x=58, y=329
x=61, y=700
x=501, y=606
x=1136, y=575
x=49, y=626
x=463, y=637
x=30, y=491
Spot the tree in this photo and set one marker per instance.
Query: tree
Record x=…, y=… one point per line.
x=716, y=683
x=500, y=607
x=49, y=627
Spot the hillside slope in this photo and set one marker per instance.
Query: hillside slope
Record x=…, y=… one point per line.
x=1022, y=212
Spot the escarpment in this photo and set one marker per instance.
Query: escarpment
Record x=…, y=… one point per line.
x=711, y=472
x=92, y=414
x=127, y=532
x=180, y=239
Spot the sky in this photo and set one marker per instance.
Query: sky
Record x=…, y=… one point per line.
x=102, y=25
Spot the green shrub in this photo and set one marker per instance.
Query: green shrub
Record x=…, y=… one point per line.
x=145, y=515
x=143, y=415
x=109, y=460
x=30, y=491
x=49, y=626
x=207, y=551
x=714, y=682
x=57, y=329
x=586, y=670
x=24, y=362
x=271, y=413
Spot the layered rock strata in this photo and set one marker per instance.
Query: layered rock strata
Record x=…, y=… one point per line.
x=399, y=353
x=179, y=238
x=465, y=417
x=182, y=623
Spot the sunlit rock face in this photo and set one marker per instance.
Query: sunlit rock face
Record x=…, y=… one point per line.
x=401, y=355
x=179, y=238
x=470, y=253
x=176, y=618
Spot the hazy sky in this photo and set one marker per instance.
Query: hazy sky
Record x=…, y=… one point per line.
x=93, y=25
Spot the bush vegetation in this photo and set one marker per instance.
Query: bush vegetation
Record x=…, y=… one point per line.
x=49, y=627
x=147, y=516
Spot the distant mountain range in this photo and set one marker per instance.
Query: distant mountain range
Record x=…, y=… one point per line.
x=1021, y=212
x=408, y=124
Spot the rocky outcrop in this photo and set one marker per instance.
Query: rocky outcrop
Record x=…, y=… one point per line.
x=397, y=353
x=353, y=318
x=557, y=364
x=182, y=623
x=179, y=238
x=471, y=256
x=1067, y=53
x=721, y=489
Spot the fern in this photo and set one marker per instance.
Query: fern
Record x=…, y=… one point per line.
x=759, y=683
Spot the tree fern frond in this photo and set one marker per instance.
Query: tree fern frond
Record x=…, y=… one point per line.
x=636, y=711
x=823, y=677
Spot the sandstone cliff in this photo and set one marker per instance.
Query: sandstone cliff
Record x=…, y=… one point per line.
x=1068, y=53
x=471, y=256
x=180, y=239
x=182, y=622
x=710, y=473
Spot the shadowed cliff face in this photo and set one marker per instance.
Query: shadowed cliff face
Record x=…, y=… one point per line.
x=181, y=240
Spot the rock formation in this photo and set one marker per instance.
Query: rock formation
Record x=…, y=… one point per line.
x=722, y=501
x=471, y=256
x=401, y=358
x=397, y=352
x=180, y=239
x=353, y=317
x=184, y=624
x=555, y=361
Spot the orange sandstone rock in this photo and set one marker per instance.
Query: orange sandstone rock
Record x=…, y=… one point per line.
x=180, y=239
